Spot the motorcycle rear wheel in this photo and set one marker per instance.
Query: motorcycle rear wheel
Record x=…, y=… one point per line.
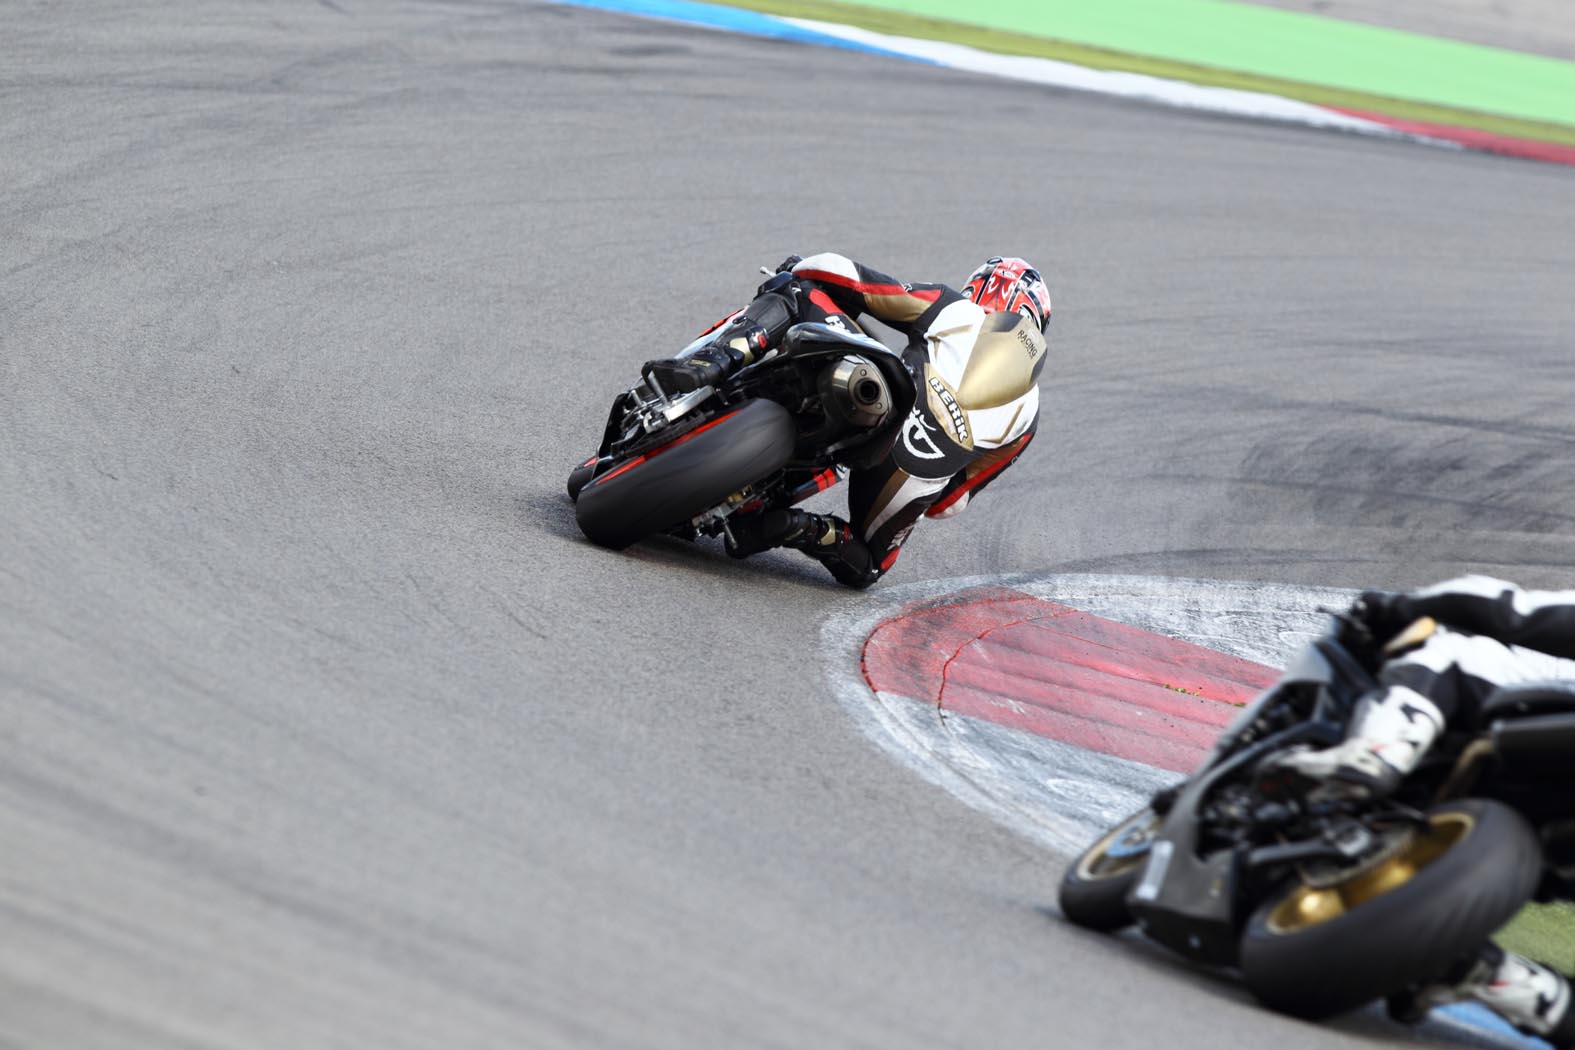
x=1095, y=887
x=671, y=483
x=1316, y=951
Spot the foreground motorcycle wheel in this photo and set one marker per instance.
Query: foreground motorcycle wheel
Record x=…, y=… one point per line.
x=1095, y=887
x=1316, y=951
x=667, y=485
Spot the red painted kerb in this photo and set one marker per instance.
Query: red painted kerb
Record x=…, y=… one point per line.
x=1048, y=669
x=1472, y=138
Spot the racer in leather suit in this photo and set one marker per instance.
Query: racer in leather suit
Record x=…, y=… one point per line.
x=975, y=356
x=1484, y=633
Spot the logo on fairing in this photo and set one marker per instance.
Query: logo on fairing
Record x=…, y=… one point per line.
x=834, y=321
x=1029, y=343
x=953, y=409
x=916, y=438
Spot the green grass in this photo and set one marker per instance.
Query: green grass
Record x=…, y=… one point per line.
x=1545, y=932
x=900, y=24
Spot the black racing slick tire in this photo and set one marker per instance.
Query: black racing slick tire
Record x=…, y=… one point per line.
x=1095, y=887
x=579, y=476
x=670, y=484
x=1314, y=952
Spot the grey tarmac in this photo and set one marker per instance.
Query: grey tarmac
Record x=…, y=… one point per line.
x=320, y=726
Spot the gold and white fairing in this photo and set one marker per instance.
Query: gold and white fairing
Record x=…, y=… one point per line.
x=981, y=379
x=981, y=387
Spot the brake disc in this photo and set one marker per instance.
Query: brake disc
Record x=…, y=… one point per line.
x=1320, y=876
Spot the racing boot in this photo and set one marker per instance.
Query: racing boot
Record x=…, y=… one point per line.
x=1530, y=996
x=748, y=535
x=706, y=366
x=825, y=537
x=1389, y=734
x=742, y=341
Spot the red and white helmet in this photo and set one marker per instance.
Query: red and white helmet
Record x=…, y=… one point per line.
x=1010, y=284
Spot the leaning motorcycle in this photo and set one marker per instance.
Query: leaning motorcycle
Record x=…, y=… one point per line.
x=772, y=435
x=1323, y=903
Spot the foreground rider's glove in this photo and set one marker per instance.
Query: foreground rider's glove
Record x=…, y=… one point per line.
x=786, y=265
x=1370, y=623
x=1383, y=613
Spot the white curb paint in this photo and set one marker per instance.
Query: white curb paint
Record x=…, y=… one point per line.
x=1058, y=794
x=1180, y=93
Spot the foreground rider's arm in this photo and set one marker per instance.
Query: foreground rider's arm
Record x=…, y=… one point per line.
x=1541, y=620
x=1437, y=674
x=856, y=289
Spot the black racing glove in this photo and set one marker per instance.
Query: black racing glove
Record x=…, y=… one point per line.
x=1384, y=613
x=782, y=283
x=1371, y=621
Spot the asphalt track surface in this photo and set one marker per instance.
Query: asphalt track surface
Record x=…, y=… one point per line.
x=322, y=727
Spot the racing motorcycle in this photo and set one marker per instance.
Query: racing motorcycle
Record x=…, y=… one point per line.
x=772, y=435
x=1325, y=903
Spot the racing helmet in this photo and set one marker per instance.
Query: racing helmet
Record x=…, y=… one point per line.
x=1010, y=284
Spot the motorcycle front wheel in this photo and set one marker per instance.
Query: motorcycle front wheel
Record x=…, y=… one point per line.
x=1315, y=949
x=1095, y=887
